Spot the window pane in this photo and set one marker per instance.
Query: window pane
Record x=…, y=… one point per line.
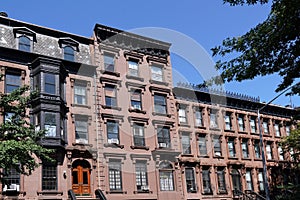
x=24, y=44
x=69, y=53
x=50, y=124
x=206, y=181
x=49, y=177
x=114, y=175
x=190, y=180
x=186, y=146
x=141, y=175
x=156, y=73
x=50, y=83
x=133, y=68
x=112, y=132
x=109, y=63
x=160, y=104
x=138, y=135
x=81, y=130
x=80, y=95
x=12, y=82
x=202, y=145
x=163, y=137
x=198, y=116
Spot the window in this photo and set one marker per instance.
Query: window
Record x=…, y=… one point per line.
x=138, y=134
x=50, y=83
x=190, y=180
x=12, y=81
x=221, y=181
x=231, y=147
x=133, y=68
x=253, y=125
x=245, y=149
x=277, y=129
x=50, y=124
x=163, y=137
x=141, y=176
x=227, y=119
x=112, y=132
x=185, y=141
x=241, y=122
x=202, y=145
x=160, y=105
x=110, y=96
x=214, y=119
x=266, y=127
x=115, y=175
x=157, y=73
x=269, y=152
x=217, y=145
x=261, y=185
x=136, y=100
x=81, y=129
x=257, y=149
x=182, y=115
x=24, y=43
x=10, y=178
x=198, y=118
x=166, y=176
x=49, y=177
x=249, y=184
x=109, y=62
x=206, y=184
x=280, y=153
x=69, y=53
x=287, y=130
x=80, y=94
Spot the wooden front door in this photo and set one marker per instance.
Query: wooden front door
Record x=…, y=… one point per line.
x=81, y=178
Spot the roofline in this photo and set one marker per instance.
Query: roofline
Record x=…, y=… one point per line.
x=44, y=30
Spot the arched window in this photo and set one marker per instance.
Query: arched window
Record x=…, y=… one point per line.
x=24, y=43
x=166, y=178
x=69, y=53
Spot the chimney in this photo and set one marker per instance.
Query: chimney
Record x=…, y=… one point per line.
x=3, y=14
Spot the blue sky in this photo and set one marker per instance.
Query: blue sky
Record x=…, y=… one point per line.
x=206, y=22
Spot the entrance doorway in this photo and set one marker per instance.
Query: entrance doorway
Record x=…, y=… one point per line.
x=81, y=178
x=236, y=180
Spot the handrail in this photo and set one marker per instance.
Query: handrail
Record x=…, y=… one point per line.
x=99, y=194
x=71, y=194
x=244, y=195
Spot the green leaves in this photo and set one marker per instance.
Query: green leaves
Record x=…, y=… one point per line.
x=20, y=146
x=272, y=46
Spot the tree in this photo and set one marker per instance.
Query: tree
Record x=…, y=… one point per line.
x=271, y=47
x=20, y=143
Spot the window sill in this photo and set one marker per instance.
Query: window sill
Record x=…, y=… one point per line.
x=136, y=110
x=203, y=156
x=257, y=159
x=214, y=128
x=80, y=105
x=161, y=114
x=114, y=145
x=187, y=155
x=158, y=82
x=219, y=157
x=222, y=192
x=232, y=158
x=134, y=77
x=229, y=130
x=206, y=193
x=140, y=147
x=254, y=133
x=200, y=127
x=111, y=107
x=142, y=192
x=116, y=192
x=267, y=135
x=185, y=124
x=246, y=158
x=50, y=192
x=82, y=144
x=242, y=132
x=117, y=74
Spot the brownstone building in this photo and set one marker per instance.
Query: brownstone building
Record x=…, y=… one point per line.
x=118, y=126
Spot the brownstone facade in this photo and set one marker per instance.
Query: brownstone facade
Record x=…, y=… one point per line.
x=118, y=125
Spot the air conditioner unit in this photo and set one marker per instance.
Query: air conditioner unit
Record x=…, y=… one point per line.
x=145, y=187
x=162, y=145
x=113, y=141
x=12, y=187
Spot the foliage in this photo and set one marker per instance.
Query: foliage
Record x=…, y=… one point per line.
x=271, y=47
x=20, y=146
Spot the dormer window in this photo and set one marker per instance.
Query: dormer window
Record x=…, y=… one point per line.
x=69, y=46
x=69, y=53
x=24, y=43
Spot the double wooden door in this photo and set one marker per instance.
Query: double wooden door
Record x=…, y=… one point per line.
x=81, y=179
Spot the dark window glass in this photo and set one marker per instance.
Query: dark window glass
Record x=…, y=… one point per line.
x=49, y=177
x=190, y=180
x=185, y=141
x=257, y=149
x=245, y=149
x=214, y=119
x=109, y=62
x=81, y=130
x=138, y=135
x=50, y=124
x=135, y=98
x=112, y=132
x=50, y=83
x=217, y=146
x=133, y=68
x=202, y=145
x=11, y=179
x=80, y=94
x=69, y=53
x=206, y=181
x=163, y=137
x=110, y=96
x=12, y=82
x=221, y=181
x=198, y=118
x=160, y=105
x=24, y=44
x=227, y=119
x=231, y=147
